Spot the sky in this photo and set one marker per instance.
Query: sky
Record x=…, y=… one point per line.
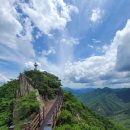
x=84, y=42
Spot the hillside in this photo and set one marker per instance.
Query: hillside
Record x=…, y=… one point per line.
x=76, y=116
x=27, y=106
x=111, y=103
x=73, y=116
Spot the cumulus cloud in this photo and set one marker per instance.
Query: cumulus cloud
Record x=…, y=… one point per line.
x=16, y=28
x=96, y=15
x=16, y=34
x=18, y=21
x=48, y=15
x=9, y=25
x=123, y=53
x=88, y=70
x=98, y=70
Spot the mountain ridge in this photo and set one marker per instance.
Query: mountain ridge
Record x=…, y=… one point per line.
x=111, y=103
x=78, y=90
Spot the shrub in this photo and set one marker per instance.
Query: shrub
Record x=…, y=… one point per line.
x=27, y=105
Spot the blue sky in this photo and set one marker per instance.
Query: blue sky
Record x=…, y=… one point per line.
x=86, y=43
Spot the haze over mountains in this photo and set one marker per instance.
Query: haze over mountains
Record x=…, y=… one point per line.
x=79, y=91
x=111, y=103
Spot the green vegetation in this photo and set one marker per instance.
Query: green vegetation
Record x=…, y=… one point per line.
x=111, y=103
x=7, y=98
x=27, y=106
x=76, y=116
x=122, y=118
x=47, y=84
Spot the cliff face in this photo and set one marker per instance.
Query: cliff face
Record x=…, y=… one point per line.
x=25, y=88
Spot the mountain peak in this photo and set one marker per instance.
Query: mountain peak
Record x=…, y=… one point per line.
x=104, y=90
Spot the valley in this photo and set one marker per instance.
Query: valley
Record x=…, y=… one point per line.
x=113, y=104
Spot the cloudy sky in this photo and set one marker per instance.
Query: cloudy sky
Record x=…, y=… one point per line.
x=85, y=42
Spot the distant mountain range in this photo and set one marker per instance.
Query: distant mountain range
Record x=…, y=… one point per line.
x=79, y=91
x=111, y=103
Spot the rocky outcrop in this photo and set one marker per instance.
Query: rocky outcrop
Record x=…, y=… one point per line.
x=26, y=86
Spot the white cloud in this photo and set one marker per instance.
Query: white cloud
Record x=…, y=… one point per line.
x=105, y=48
x=96, y=15
x=96, y=41
x=48, y=15
x=69, y=41
x=98, y=70
x=9, y=25
x=3, y=78
x=16, y=29
x=91, y=46
x=16, y=34
x=15, y=38
x=24, y=43
x=123, y=53
x=29, y=65
x=88, y=70
x=49, y=52
x=39, y=34
x=81, y=24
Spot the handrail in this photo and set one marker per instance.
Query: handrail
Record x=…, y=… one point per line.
x=51, y=117
x=39, y=118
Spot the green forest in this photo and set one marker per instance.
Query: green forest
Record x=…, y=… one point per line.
x=110, y=103
x=73, y=116
x=47, y=85
x=76, y=116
